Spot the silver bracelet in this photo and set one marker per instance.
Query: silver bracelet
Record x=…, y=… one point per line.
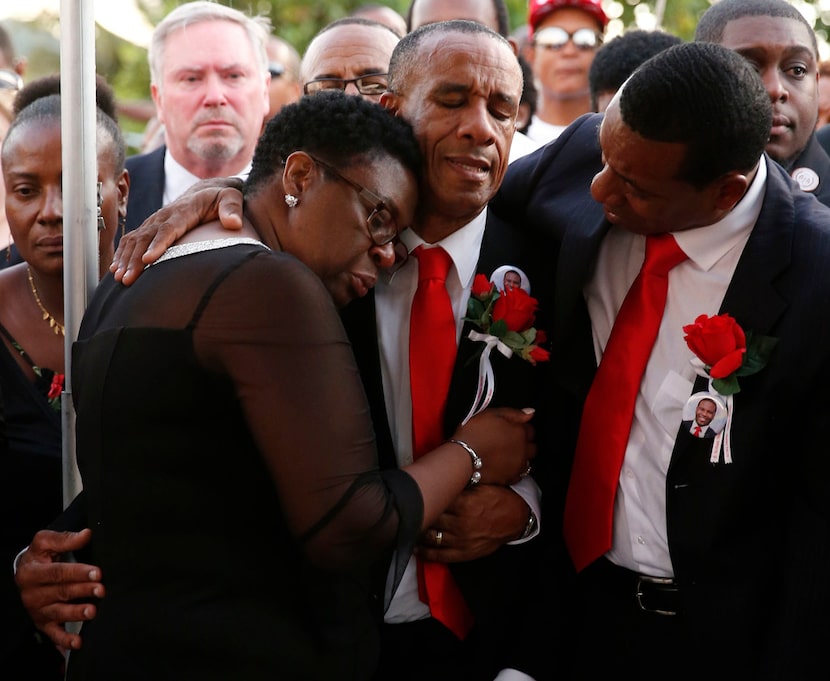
x=475, y=478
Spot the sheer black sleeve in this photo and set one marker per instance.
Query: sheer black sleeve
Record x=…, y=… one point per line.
x=272, y=327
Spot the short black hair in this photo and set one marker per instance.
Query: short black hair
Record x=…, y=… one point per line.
x=51, y=85
x=47, y=108
x=336, y=127
x=502, y=17
x=712, y=22
x=405, y=56
x=707, y=97
x=617, y=59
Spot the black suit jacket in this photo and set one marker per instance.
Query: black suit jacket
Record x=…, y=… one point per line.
x=816, y=159
x=146, y=187
x=709, y=434
x=749, y=541
x=505, y=615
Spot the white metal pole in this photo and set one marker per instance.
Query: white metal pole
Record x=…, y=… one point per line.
x=80, y=241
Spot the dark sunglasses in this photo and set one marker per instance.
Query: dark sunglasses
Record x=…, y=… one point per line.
x=555, y=37
x=370, y=84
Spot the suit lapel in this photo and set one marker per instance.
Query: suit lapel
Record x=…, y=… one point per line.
x=502, y=244
x=361, y=326
x=572, y=336
x=146, y=186
x=764, y=260
x=765, y=257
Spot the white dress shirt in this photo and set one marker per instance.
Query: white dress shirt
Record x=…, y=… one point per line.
x=696, y=286
x=521, y=145
x=178, y=179
x=541, y=132
x=393, y=301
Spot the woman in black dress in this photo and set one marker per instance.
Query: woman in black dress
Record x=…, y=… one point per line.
x=238, y=514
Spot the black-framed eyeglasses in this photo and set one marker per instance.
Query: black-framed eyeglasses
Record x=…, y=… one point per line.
x=373, y=84
x=381, y=225
x=10, y=80
x=556, y=37
x=275, y=69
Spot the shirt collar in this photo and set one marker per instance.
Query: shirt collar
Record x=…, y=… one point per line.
x=178, y=179
x=706, y=245
x=463, y=246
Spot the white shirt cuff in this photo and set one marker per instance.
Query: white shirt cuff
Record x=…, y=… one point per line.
x=17, y=559
x=528, y=490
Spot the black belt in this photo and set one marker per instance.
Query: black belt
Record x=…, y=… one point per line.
x=656, y=595
x=659, y=595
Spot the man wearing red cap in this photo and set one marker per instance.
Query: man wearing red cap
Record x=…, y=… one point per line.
x=565, y=35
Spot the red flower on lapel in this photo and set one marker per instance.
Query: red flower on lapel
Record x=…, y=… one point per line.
x=726, y=351
x=508, y=316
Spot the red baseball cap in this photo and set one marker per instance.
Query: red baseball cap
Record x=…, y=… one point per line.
x=539, y=9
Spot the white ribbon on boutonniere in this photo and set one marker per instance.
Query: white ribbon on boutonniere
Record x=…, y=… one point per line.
x=486, y=378
x=725, y=436
x=723, y=352
x=505, y=319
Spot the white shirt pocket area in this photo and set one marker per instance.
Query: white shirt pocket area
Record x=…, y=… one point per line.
x=669, y=400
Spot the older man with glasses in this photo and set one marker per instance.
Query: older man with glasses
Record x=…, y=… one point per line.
x=350, y=54
x=565, y=35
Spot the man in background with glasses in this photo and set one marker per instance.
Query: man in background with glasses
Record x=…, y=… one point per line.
x=350, y=54
x=565, y=35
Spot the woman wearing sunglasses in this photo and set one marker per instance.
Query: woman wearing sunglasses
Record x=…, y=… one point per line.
x=565, y=35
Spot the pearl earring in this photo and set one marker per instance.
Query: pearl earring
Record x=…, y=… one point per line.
x=291, y=200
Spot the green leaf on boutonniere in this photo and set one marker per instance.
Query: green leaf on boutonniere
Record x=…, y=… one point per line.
x=513, y=340
x=758, y=351
x=728, y=385
x=529, y=335
x=475, y=308
x=498, y=328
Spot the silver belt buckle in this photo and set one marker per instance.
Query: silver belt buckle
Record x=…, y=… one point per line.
x=667, y=581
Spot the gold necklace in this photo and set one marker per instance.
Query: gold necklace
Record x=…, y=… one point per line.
x=54, y=324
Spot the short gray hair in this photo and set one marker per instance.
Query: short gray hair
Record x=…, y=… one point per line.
x=256, y=28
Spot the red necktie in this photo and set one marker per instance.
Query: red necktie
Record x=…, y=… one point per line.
x=609, y=407
x=432, y=350
x=697, y=431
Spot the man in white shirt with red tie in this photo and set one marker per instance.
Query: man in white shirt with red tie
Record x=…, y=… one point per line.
x=685, y=557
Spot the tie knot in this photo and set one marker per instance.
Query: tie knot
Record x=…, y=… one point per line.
x=433, y=263
x=662, y=254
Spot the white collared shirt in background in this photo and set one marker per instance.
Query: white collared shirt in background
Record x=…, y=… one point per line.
x=521, y=145
x=178, y=179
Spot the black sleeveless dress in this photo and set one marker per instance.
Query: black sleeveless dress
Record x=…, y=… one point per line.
x=229, y=469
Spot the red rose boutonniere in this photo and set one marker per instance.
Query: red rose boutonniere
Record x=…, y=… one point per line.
x=725, y=352
x=506, y=318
